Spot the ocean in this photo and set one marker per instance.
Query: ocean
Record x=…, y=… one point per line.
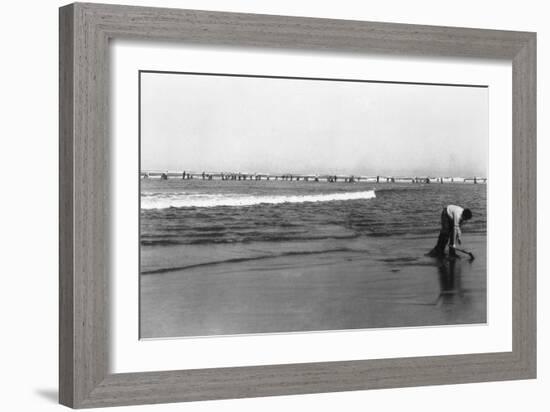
x=191, y=212
x=243, y=249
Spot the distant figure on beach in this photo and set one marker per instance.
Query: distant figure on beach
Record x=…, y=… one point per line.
x=452, y=217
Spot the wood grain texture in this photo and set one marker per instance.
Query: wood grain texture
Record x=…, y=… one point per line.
x=524, y=225
x=66, y=229
x=85, y=30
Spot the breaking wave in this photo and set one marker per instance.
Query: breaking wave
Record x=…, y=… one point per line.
x=181, y=199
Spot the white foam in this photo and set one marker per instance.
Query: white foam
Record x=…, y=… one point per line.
x=166, y=200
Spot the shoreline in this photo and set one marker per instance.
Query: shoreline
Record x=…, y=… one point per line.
x=335, y=284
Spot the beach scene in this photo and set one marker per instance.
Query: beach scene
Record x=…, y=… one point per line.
x=273, y=256
x=330, y=244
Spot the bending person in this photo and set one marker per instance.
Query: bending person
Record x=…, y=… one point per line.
x=452, y=217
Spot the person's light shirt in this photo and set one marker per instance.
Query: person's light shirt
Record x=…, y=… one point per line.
x=455, y=213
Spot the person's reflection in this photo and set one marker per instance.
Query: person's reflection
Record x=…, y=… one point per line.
x=450, y=290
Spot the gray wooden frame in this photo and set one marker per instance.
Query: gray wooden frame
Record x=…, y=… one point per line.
x=85, y=30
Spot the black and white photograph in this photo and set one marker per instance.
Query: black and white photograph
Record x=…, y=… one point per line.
x=266, y=206
x=284, y=204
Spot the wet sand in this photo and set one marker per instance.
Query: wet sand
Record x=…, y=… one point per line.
x=368, y=282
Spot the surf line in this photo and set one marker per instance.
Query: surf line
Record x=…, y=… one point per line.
x=243, y=259
x=177, y=200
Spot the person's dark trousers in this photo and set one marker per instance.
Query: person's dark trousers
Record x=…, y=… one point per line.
x=445, y=234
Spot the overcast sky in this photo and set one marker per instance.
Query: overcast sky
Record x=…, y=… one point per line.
x=221, y=123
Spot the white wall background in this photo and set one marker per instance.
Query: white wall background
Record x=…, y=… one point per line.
x=28, y=202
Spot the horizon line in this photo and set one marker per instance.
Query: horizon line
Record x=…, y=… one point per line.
x=248, y=173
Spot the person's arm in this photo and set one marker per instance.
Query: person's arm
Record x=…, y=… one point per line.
x=457, y=233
